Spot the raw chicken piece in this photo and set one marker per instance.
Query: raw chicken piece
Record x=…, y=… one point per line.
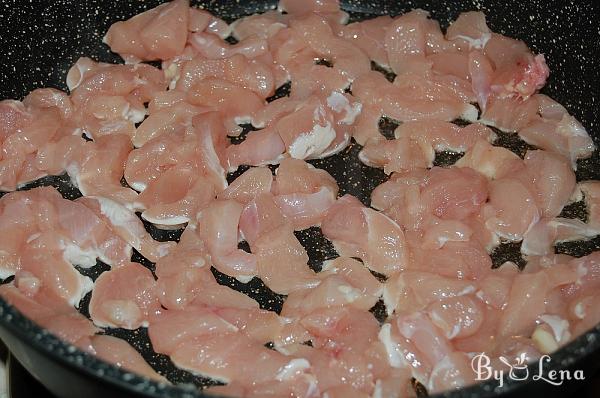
x=170, y=328
x=44, y=257
x=399, y=155
x=406, y=41
x=53, y=157
x=344, y=391
x=182, y=272
x=386, y=194
x=269, y=114
x=50, y=312
x=197, y=170
x=262, y=25
x=369, y=35
x=165, y=120
x=316, y=32
x=236, y=104
x=259, y=217
x=28, y=127
x=333, y=291
x=345, y=282
x=125, y=223
x=260, y=325
x=249, y=185
x=523, y=79
x=87, y=237
x=481, y=72
x=454, y=193
x=258, y=149
x=492, y=161
x=119, y=353
x=175, y=197
x=282, y=261
x=303, y=193
x=237, y=69
x=590, y=315
x=302, y=386
x=109, y=99
x=511, y=209
x=444, y=136
x=401, y=354
x=469, y=31
x=494, y=289
x=456, y=259
x=426, y=337
x=503, y=50
x=305, y=209
x=527, y=298
x=124, y=297
x=410, y=291
x=213, y=47
x=357, y=231
x=455, y=85
x=310, y=79
x=427, y=99
x=76, y=231
x=505, y=68
x=510, y=115
x=339, y=368
x=342, y=339
x=184, y=278
x=137, y=83
x=308, y=131
x=202, y=20
x=440, y=232
x=565, y=136
x=97, y=168
x=355, y=273
x=211, y=141
x=396, y=381
x=409, y=211
x=315, y=127
x=238, y=357
x=553, y=181
x=321, y=7
x=453, y=372
x=159, y=33
x=192, y=149
x=457, y=317
x=147, y=164
x=218, y=228
x=541, y=237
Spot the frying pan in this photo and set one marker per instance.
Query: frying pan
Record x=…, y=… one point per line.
x=40, y=40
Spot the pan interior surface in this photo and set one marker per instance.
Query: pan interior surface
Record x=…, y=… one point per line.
x=44, y=39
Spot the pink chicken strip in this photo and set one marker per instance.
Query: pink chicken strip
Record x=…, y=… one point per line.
x=362, y=232
x=124, y=297
x=218, y=228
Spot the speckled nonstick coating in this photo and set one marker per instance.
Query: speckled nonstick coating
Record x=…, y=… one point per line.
x=40, y=40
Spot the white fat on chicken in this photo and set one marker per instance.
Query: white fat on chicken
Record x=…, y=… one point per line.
x=313, y=143
x=478, y=43
x=292, y=369
x=339, y=103
x=393, y=350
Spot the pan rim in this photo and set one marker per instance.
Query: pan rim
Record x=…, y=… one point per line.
x=48, y=344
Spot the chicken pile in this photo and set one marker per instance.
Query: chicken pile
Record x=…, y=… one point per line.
x=155, y=145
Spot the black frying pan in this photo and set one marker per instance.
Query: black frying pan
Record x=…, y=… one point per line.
x=40, y=40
